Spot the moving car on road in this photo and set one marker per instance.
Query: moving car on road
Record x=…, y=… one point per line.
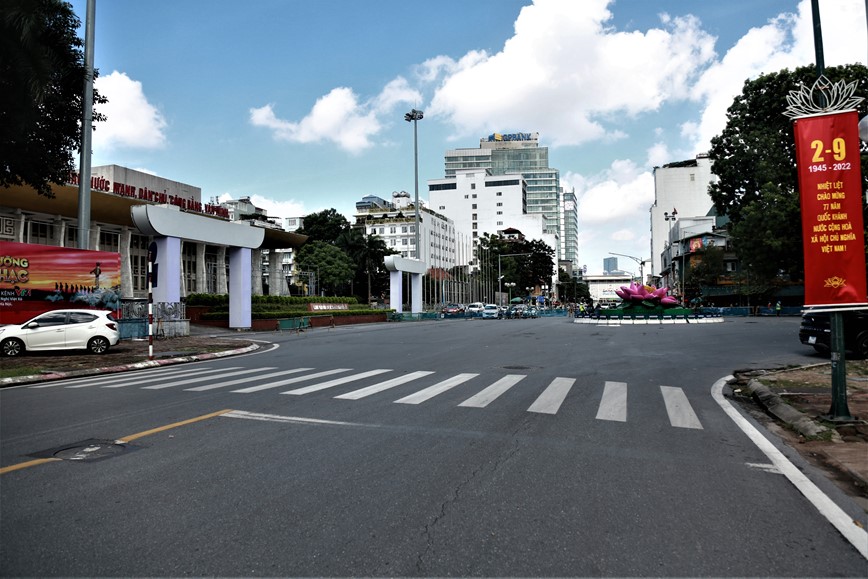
x=452, y=309
x=490, y=312
x=816, y=331
x=91, y=330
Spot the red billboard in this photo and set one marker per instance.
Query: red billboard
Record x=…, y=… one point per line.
x=830, y=189
x=37, y=278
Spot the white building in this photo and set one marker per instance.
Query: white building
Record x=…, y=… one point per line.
x=506, y=154
x=680, y=187
x=479, y=203
x=602, y=287
x=395, y=223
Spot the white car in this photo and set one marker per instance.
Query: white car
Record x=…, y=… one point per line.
x=91, y=330
x=475, y=308
x=490, y=312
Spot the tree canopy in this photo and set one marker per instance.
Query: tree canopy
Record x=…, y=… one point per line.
x=333, y=267
x=534, y=269
x=42, y=79
x=755, y=160
x=325, y=225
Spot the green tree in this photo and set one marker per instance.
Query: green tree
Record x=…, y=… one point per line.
x=333, y=267
x=534, y=269
x=706, y=266
x=368, y=253
x=42, y=78
x=755, y=160
x=324, y=225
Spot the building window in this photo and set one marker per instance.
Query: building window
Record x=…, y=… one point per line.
x=474, y=227
x=403, y=229
x=500, y=222
x=109, y=241
x=188, y=267
x=404, y=241
x=500, y=212
x=473, y=206
x=467, y=196
x=442, y=207
x=473, y=217
x=500, y=203
x=41, y=233
x=473, y=185
x=499, y=194
x=392, y=229
x=474, y=195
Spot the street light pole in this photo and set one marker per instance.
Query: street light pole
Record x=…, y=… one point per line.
x=416, y=116
x=640, y=261
x=500, y=276
x=670, y=218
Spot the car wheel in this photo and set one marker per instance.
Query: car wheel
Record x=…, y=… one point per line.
x=862, y=345
x=12, y=347
x=97, y=345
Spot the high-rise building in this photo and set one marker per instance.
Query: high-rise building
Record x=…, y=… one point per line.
x=610, y=264
x=520, y=153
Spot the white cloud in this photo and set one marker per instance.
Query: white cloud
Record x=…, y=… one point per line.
x=339, y=117
x=132, y=122
x=564, y=55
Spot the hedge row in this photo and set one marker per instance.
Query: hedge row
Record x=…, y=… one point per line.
x=223, y=299
x=286, y=314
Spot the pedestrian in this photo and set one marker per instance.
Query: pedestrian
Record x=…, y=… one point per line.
x=778, y=309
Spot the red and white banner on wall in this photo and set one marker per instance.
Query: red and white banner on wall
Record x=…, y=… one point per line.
x=830, y=188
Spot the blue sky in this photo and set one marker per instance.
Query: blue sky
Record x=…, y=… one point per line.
x=300, y=104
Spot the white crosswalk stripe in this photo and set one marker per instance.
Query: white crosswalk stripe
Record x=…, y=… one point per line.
x=549, y=402
x=140, y=379
x=245, y=380
x=612, y=406
x=382, y=386
x=491, y=393
x=201, y=379
x=336, y=382
x=432, y=391
x=680, y=412
x=288, y=381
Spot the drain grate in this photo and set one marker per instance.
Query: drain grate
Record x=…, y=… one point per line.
x=85, y=450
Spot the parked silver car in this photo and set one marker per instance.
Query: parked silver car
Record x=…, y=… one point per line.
x=91, y=330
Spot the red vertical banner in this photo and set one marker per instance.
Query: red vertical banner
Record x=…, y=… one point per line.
x=830, y=190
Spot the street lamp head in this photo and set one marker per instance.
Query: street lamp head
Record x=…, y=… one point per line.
x=413, y=115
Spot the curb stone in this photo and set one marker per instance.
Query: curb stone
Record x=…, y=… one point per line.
x=775, y=405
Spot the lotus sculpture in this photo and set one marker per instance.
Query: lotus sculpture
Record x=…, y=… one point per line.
x=645, y=297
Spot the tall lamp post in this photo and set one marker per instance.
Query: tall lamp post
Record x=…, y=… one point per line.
x=416, y=116
x=500, y=276
x=670, y=219
x=509, y=285
x=640, y=261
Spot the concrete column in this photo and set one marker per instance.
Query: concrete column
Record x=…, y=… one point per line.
x=200, y=268
x=255, y=272
x=94, y=237
x=20, y=226
x=168, y=286
x=416, y=293
x=396, y=293
x=222, y=288
x=276, y=279
x=240, y=315
x=182, y=279
x=59, y=232
x=126, y=264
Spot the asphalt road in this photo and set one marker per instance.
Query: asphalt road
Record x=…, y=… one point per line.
x=496, y=447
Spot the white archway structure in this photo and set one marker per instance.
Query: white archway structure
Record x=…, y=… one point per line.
x=168, y=225
x=397, y=265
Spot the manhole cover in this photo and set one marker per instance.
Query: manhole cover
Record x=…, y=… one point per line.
x=91, y=449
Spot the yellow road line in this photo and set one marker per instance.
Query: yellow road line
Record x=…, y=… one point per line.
x=27, y=464
x=123, y=440
x=171, y=426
